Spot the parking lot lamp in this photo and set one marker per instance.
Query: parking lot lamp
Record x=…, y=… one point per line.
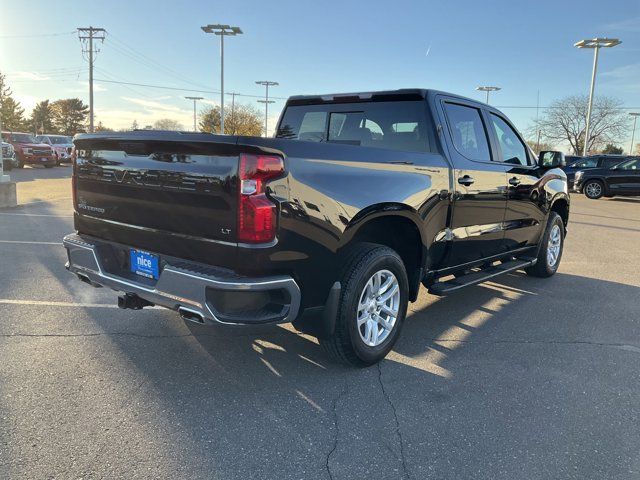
x=222, y=31
x=487, y=88
x=635, y=116
x=596, y=44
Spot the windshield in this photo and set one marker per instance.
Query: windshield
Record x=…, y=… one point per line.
x=22, y=138
x=60, y=140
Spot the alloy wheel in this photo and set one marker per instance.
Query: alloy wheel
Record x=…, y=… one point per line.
x=378, y=308
x=553, y=247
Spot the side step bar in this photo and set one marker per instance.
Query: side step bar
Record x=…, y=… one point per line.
x=479, y=276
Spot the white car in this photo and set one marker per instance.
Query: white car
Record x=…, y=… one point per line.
x=9, y=160
x=61, y=145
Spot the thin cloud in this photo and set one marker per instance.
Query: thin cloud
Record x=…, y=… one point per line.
x=153, y=105
x=624, y=78
x=22, y=75
x=626, y=25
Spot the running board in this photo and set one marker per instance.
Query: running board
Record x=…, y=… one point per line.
x=479, y=276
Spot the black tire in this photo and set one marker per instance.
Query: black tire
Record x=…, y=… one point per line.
x=346, y=344
x=49, y=166
x=596, y=191
x=543, y=268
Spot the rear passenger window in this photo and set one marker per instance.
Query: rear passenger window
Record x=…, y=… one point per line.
x=587, y=163
x=513, y=150
x=394, y=125
x=312, y=126
x=468, y=132
x=609, y=162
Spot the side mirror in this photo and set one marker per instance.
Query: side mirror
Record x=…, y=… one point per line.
x=551, y=159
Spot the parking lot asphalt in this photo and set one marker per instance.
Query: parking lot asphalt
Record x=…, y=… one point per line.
x=516, y=378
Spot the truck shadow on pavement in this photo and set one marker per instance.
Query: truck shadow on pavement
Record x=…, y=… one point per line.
x=471, y=377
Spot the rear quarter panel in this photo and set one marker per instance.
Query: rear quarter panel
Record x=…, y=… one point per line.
x=331, y=191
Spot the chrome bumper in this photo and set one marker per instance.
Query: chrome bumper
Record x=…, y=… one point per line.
x=179, y=287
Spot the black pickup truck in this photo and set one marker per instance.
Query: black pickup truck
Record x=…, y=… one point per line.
x=333, y=224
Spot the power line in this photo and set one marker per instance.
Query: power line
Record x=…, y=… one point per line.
x=39, y=35
x=124, y=49
x=552, y=107
x=163, y=87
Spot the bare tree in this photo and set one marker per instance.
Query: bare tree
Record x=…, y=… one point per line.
x=537, y=148
x=167, y=124
x=565, y=121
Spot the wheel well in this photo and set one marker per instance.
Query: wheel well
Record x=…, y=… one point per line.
x=561, y=207
x=402, y=235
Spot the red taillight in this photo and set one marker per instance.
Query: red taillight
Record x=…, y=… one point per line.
x=256, y=213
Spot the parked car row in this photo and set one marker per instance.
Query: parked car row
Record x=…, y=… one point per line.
x=20, y=149
x=623, y=179
x=604, y=175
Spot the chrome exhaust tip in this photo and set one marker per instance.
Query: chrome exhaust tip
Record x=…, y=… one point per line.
x=191, y=315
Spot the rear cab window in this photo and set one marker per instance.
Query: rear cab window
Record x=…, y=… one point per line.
x=468, y=132
x=395, y=125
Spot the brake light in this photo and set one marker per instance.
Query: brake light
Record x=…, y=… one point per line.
x=256, y=213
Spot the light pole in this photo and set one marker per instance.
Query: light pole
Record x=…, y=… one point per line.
x=633, y=132
x=596, y=44
x=266, y=101
x=195, y=99
x=487, y=88
x=222, y=31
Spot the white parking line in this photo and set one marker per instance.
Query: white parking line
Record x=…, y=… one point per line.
x=46, y=201
x=7, y=301
x=36, y=215
x=30, y=243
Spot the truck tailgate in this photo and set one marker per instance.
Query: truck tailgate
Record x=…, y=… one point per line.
x=180, y=186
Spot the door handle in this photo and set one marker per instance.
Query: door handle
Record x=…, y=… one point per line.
x=514, y=181
x=466, y=180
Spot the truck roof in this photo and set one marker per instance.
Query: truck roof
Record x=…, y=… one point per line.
x=375, y=96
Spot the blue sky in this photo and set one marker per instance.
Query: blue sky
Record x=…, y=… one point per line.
x=317, y=47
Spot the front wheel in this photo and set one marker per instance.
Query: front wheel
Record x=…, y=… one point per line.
x=373, y=305
x=593, y=189
x=550, y=251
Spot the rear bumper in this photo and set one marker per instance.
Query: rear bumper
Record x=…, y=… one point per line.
x=37, y=159
x=202, y=292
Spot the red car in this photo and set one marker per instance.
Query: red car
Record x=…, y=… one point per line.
x=29, y=150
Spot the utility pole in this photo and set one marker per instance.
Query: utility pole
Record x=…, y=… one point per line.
x=266, y=101
x=195, y=99
x=222, y=31
x=90, y=34
x=233, y=109
x=635, y=116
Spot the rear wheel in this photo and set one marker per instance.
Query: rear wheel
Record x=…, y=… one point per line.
x=550, y=251
x=373, y=305
x=593, y=189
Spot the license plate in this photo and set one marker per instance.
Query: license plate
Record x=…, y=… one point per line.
x=44, y=159
x=144, y=263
